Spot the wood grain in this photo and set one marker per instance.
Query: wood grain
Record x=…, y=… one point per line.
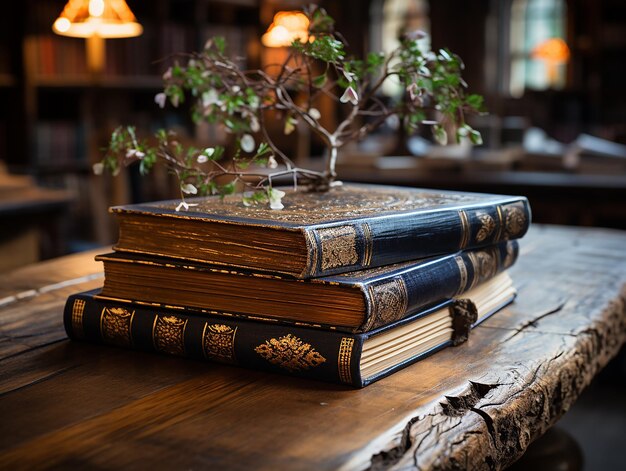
x=476, y=406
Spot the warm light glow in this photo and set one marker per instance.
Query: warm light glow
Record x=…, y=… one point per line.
x=552, y=50
x=103, y=18
x=96, y=7
x=62, y=25
x=287, y=27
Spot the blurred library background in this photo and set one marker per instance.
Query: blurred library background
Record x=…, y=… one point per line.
x=551, y=71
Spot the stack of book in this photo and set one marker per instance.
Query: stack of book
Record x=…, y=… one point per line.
x=348, y=285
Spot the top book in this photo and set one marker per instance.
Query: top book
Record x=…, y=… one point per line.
x=348, y=228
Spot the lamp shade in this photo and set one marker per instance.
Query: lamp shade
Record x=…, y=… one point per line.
x=287, y=27
x=551, y=50
x=102, y=18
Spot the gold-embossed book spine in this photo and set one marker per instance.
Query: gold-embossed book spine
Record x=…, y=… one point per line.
x=379, y=241
x=318, y=354
x=391, y=298
x=348, y=228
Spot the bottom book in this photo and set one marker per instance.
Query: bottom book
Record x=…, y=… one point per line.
x=324, y=354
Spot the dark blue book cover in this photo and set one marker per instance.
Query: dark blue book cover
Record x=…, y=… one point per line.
x=353, y=302
x=351, y=227
x=317, y=353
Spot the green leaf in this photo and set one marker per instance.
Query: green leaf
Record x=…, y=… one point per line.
x=227, y=189
x=440, y=135
x=255, y=198
x=476, y=138
x=319, y=81
x=243, y=164
x=220, y=44
x=475, y=101
x=375, y=59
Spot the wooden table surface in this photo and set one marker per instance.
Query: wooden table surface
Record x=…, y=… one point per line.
x=67, y=404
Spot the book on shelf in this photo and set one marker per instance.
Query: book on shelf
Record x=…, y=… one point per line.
x=353, y=302
x=324, y=354
x=350, y=227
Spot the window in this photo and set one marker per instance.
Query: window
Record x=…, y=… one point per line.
x=390, y=20
x=537, y=49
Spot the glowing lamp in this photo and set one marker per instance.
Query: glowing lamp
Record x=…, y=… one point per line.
x=553, y=51
x=287, y=27
x=96, y=20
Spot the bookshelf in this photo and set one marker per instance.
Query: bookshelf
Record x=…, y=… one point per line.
x=59, y=116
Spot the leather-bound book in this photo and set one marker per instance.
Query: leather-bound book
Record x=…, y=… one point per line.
x=352, y=302
x=324, y=354
x=349, y=228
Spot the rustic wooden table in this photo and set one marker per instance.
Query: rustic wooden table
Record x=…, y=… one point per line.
x=65, y=404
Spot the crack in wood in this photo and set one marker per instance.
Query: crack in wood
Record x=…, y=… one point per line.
x=535, y=321
x=37, y=381
x=489, y=423
x=32, y=349
x=387, y=458
x=459, y=405
x=417, y=450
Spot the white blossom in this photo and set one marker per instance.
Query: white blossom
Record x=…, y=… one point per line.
x=290, y=126
x=254, y=124
x=206, y=155
x=168, y=74
x=254, y=102
x=210, y=98
x=134, y=153
x=247, y=143
x=271, y=162
x=348, y=75
x=275, y=198
x=160, y=99
x=315, y=113
x=185, y=206
x=98, y=168
x=350, y=95
x=189, y=188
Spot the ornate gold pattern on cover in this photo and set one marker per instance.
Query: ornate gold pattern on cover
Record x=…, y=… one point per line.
x=345, y=202
x=338, y=246
x=78, y=308
x=485, y=264
x=465, y=230
x=168, y=334
x=115, y=325
x=218, y=342
x=290, y=353
x=312, y=252
x=515, y=220
x=344, y=359
x=389, y=301
x=487, y=225
x=368, y=242
x=462, y=274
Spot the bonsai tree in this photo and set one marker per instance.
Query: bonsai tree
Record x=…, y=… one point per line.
x=317, y=64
